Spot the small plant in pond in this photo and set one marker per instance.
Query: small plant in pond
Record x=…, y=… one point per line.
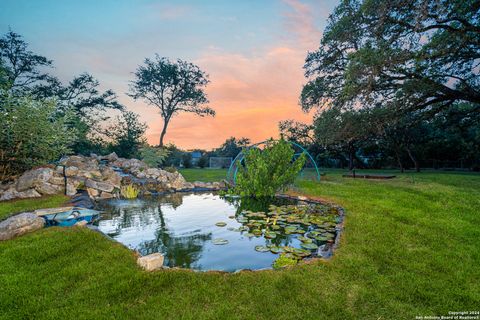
x=285, y=260
x=129, y=191
x=265, y=172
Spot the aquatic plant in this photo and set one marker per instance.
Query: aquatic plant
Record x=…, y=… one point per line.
x=285, y=260
x=129, y=191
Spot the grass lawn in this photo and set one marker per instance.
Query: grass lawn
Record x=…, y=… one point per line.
x=10, y=207
x=205, y=175
x=410, y=248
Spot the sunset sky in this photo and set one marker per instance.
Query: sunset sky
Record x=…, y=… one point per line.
x=252, y=50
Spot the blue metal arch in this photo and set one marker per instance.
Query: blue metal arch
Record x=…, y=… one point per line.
x=233, y=169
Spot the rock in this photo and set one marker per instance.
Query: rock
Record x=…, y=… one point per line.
x=81, y=223
x=19, y=225
x=200, y=184
x=92, y=193
x=102, y=186
x=12, y=193
x=33, y=177
x=71, y=171
x=111, y=157
x=57, y=180
x=106, y=195
x=151, y=262
x=48, y=189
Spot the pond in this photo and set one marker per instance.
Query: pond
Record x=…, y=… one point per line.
x=204, y=231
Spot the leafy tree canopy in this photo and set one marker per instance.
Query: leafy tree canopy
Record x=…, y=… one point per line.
x=412, y=55
x=172, y=87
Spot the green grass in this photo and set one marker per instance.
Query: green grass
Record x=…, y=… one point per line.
x=205, y=175
x=11, y=207
x=410, y=248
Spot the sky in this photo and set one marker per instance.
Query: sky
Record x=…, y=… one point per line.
x=253, y=51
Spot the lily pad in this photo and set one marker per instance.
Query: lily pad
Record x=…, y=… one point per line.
x=309, y=246
x=220, y=224
x=270, y=234
x=276, y=249
x=219, y=241
x=262, y=249
x=249, y=235
x=305, y=239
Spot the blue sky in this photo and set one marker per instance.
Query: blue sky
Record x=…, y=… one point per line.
x=253, y=51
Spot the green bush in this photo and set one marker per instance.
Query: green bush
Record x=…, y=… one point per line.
x=203, y=161
x=187, y=160
x=265, y=172
x=153, y=156
x=32, y=134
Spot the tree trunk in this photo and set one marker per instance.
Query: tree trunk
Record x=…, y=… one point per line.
x=351, y=153
x=414, y=160
x=399, y=161
x=164, y=131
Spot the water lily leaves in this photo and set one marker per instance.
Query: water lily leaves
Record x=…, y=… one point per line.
x=275, y=227
x=257, y=232
x=231, y=217
x=249, y=235
x=321, y=238
x=270, y=234
x=301, y=231
x=305, y=239
x=301, y=252
x=262, y=248
x=309, y=246
x=220, y=224
x=219, y=241
x=276, y=249
x=290, y=229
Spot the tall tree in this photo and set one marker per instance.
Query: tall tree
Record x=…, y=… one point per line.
x=22, y=68
x=172, y=87
x=413, y=55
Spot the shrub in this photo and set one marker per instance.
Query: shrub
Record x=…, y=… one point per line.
x=32, y=134
x=187, y=160
x=203, y=161
x=153, y=156
x=265, y=172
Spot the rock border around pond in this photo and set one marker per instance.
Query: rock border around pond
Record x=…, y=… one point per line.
x=102, y=177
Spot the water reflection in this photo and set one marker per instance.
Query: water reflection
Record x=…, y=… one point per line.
x=182, y=227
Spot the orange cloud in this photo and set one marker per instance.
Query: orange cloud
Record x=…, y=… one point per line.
x=250, y=93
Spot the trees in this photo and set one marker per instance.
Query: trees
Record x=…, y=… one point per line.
x=232, y=147
x=127, y=135
x=31, y=134
x=23, y=72
x=22, y=67
x=411, y=55
x=173, y=87
x=401, y=69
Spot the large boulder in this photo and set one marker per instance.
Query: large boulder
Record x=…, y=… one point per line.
x=49, y=189
x=20, y=224
x=111, y=157
x=33, y=178
x=12, y=193
x=99, y=185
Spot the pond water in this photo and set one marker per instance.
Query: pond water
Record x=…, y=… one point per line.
x=204, y=231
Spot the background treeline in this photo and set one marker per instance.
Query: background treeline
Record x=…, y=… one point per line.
x=395, y=84
x=42, y=118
